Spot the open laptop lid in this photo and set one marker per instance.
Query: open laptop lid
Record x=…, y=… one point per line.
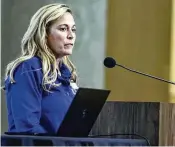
x=83, y=112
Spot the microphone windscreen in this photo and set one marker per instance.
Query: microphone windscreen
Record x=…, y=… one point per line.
x=109, y=62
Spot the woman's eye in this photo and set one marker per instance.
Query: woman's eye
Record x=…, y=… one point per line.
x=62, y=29
x=73, y=30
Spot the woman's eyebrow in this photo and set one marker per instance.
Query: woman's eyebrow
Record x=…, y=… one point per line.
x=67, y=25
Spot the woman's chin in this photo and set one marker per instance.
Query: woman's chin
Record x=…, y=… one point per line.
x=62, y=53
x=68, y=52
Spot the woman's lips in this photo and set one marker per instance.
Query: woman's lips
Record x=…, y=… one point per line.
x=68, y=45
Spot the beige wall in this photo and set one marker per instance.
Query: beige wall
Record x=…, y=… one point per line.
x=138, y=36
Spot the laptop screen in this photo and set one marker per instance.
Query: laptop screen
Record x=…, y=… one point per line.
x=83, y=112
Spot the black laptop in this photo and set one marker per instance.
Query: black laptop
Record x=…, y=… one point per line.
x=83, y=112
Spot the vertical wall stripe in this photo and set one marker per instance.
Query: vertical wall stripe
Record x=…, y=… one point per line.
x=172, y=55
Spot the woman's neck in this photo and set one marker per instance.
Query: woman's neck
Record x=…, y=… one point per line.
x=58, y=60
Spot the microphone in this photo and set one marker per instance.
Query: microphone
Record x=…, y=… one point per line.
x=109, y=62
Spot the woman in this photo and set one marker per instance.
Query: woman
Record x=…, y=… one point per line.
x=40, y=84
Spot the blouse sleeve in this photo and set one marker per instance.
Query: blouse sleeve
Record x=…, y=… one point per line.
x=26, y=96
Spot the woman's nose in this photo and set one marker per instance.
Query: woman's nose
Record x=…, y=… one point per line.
x=70, y=35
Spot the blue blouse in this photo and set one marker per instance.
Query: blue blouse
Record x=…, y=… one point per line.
x=30, y=108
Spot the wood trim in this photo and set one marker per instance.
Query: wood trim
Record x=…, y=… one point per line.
x=167, y=124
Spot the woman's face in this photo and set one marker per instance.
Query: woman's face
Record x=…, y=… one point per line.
x=61, y=35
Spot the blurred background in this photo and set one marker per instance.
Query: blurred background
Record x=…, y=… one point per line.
x=138, y=34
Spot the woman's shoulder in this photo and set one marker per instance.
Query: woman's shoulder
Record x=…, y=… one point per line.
x=34, y=62
x=29, y=68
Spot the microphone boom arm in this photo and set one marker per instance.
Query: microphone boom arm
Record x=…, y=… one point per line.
x=145, y=74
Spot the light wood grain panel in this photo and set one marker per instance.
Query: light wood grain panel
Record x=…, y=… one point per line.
x=167, y=124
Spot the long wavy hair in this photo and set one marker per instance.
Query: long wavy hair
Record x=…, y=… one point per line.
x=34, y=43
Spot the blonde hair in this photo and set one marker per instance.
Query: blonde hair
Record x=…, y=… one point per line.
x=34, y=43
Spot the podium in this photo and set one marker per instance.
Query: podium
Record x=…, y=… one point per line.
x=29, y=140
